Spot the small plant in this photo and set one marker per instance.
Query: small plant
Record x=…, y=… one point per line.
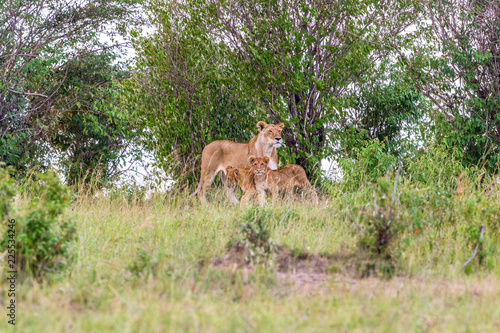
x=377, y=226
x=43, y=235
x=257, y=237
x=142, y=264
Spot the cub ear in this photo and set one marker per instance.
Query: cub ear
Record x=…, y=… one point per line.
x=228, y=168
x=251, y=159
x=261, y=125
x=280, y=125
x=236, y=172
x=266, y=159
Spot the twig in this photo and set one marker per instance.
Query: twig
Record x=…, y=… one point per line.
x=481, y=232
x=27, y=93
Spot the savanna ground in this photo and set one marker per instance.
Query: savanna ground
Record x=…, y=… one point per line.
x=170, y=264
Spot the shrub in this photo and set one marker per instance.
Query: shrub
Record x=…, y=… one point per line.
x=144, y=263
x=371, y=163
x=434, y=166
x=43, y=234
x=378, y=224
x=256, y=236
x=6, y=192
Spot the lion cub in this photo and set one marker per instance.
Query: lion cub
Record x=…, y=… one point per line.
x=283, y=179
x=243, y=178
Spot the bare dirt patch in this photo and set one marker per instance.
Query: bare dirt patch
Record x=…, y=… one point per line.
x=299, y=270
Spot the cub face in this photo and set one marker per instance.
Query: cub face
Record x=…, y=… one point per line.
x=259, y=164
x=272, y=133
x=233, y=176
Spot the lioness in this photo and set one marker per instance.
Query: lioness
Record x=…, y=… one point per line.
x=218, y=155
x=283, y=179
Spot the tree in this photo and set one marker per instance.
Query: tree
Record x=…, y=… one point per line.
x=92, y=134
x=183, y=94
x=39, y=42
x=382, y=107
x=301, y=58
x=455, y=64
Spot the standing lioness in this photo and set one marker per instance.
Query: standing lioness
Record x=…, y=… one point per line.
x=218, y=155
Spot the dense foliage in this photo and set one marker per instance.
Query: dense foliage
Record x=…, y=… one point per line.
x=298, y=69
x=53, y=60
x=43, y=235
x=183, y=95
x=453, y=62
x=338, y=74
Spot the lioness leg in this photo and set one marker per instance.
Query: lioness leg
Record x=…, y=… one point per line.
x=210, y=166
x=314, y=196
x=205, y=183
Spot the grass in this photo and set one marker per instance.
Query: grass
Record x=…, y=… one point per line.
x=146, y=266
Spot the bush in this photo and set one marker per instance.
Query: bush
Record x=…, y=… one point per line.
x=6, y=192
x=144, y=263
x=256, y=236
x=371, y=162
x=43, y=234
x=381, y=220
x=434, y=166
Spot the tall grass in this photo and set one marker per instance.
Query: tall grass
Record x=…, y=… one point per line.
x=147, y=265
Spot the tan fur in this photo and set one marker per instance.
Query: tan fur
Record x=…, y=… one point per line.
x=218, y=155
x=283, y=179
x=243, y=178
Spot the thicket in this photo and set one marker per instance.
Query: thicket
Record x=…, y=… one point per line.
x=43, y=234
x=59, y=64
x=393, y=202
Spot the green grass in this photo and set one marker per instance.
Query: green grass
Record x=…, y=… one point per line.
x=147, y=267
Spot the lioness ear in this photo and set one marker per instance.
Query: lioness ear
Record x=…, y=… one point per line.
x=251, y=159
x=266, y=159
x=280, y=125
x=261, y=125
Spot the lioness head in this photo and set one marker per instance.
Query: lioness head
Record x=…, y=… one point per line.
x=233, y=176
x=259, y=164
x=271, y=132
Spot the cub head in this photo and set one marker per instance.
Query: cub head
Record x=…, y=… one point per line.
x=259, y=164
x=233, y=176
x=272, y=133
